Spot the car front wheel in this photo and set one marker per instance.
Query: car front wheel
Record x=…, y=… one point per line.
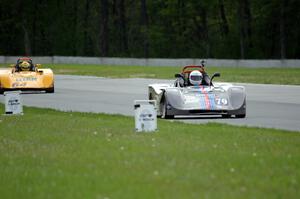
x=163, y=108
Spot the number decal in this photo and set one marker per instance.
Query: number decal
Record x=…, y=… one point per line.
x=221, y=101
x=224, y=101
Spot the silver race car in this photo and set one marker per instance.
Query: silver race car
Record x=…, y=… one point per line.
x=194, y=93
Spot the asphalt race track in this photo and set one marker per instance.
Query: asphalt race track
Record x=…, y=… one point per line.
x=270, y=106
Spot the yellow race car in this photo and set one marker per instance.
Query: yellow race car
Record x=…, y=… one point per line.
x=24, y=75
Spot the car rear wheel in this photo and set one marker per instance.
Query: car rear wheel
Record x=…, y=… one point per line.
x=241, y=116
x=226, y=116
x=50, y=90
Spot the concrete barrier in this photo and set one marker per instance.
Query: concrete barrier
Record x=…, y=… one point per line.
x=37, y=59
x=2, y=59
x=76, y=60
x=253, y=63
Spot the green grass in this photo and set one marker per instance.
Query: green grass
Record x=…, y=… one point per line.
x=52, y=154
x=289, y=76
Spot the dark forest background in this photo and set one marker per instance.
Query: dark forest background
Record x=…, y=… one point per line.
x=158, y=28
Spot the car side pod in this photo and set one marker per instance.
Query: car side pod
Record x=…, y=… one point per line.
x=13, y=103
x=145, y=115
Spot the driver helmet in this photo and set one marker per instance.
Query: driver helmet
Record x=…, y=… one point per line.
x=196, y=77
x=24, y=65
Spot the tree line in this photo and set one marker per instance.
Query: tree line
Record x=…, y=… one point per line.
x=236, y=29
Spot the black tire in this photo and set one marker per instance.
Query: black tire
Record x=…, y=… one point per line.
x=50, y=90
x=226, y=116
x=163, y=107
x=150, y=97
x=169, y=117
x=240, y=116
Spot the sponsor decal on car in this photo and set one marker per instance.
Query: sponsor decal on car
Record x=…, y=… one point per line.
x=26, y=79
x=18, y=84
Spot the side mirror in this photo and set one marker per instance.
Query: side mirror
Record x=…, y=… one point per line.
x=38, y=65
x=214, y=75
x=178, y=75
x=12, y=65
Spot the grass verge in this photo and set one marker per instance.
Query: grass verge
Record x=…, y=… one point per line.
x=288, y=76
x=52, y=154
